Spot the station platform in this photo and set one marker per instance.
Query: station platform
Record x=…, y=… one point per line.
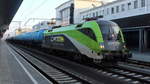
x=145, y=56
x=15, y=70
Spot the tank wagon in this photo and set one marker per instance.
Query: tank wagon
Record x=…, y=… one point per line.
x=30, y=38
x=97, y=40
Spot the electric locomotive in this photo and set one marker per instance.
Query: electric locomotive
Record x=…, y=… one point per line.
x=97, y=40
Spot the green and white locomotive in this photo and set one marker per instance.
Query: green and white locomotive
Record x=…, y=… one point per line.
x=98, y=40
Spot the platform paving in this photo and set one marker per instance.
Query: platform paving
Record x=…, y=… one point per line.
x=15, y=70
x=145, y=56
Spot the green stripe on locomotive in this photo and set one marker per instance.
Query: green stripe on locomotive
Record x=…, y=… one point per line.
x=73, y=32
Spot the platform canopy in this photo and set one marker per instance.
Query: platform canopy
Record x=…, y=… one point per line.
x=8, y=9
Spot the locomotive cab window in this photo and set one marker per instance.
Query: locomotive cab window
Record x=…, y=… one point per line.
x=110, y=30
x=89, y=32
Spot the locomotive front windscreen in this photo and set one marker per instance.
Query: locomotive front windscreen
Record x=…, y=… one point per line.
x=110, y=30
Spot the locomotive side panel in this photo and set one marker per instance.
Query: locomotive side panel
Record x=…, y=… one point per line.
x=60, y=42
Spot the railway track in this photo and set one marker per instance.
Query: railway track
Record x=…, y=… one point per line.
x=127, y=73
x=131, y=76
x=138, y=63
x=51, y=72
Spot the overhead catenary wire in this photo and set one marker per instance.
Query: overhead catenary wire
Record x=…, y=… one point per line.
x=35, y=9
x=29, y=7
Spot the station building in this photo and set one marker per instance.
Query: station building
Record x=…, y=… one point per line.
x=121, y=10
x=69, y=12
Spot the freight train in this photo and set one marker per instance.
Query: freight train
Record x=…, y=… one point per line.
x=97, y=40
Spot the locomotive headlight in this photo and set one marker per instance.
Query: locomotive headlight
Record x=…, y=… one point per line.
x=102, y=45
x=124, y=46
x=113, y=35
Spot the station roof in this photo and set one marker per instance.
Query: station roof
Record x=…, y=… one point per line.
x=8, y=9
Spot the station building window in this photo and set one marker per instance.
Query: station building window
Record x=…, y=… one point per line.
x=87, y=16
x=143, y=3
x=84, y=17
x=117, y=9
x=100, y=12
x=123, y=7
x=107, y=11
x=90, y=15
x=112, y=10
x=93, y=14
x=129, y=5
x=97, y=13
x=135, y=4
x=103, y=12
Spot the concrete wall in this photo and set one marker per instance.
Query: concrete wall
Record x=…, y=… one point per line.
x=82, y=5
x=63, y=7
x=79, y=5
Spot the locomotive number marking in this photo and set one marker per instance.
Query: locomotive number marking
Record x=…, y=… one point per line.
x=57, y=39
